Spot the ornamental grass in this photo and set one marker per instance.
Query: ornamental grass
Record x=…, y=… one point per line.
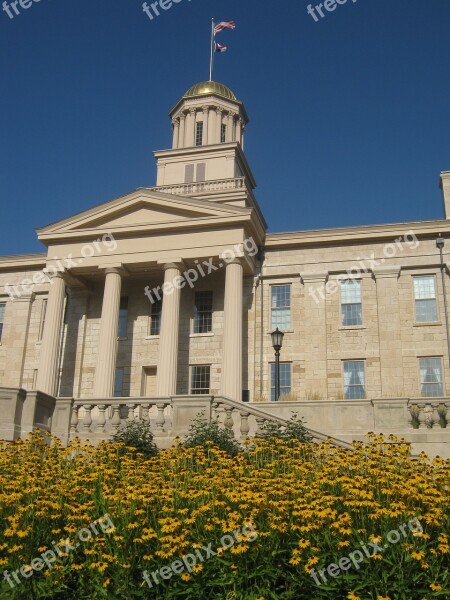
x=310, y=505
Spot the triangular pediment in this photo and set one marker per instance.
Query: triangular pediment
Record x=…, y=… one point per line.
x=144, y=209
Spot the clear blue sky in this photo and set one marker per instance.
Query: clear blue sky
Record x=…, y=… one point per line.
x=350, y=116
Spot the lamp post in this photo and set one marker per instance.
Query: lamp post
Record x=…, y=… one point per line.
x=440, y=243
x=277, y=343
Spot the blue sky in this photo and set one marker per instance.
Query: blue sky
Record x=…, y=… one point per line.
x=350, y=119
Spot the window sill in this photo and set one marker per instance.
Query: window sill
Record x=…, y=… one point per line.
x=122, y=339
x=268, y=331
x=429, y=324
x=153, y=337
x=201, y=335
x=351, y=327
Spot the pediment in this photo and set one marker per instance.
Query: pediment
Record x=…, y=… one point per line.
x=144, y=209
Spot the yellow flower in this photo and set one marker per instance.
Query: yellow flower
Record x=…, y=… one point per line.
x=418, y=555
x=186, y=577
x=435, y=587
x=353, y=596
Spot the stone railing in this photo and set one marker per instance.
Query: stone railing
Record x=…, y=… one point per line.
x=202, y=187
x=96, y=420
x=429, y=413
x=251, y=421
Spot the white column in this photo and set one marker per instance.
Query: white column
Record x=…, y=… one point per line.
x=218, y=125
x=47, y=376
x=230, y=127
x=205, y=125
x=107, y=346
x=182, y=131
x=212, y=127
x=190, y=129
x=239, y=130
x=176, y=133
x=166, y=382
x=231, y=385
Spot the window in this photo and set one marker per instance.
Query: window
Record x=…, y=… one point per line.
x=189, y=172
x=200, y=380
x=201, y=172
x=354, y=379
x=223, y=133
x=203, y=312
x=118, y=382
x=123, y=318
x=43, y=315
x=199, y=133
x=195, y=172
x=425, y=297
x=2, y=318
x=431, y=385
x=351, y=305
x=155, y=319
x=285, y=380
x=281, y=306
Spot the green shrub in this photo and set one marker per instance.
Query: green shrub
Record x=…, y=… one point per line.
x=202, y=432
x=293, y=430
x=137, y=436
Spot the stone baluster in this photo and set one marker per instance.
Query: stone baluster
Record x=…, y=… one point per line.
x=228, y=423
x=442, y=412
x=160, y=419
x=101, y=422
x=131, y=408
x=115, y=421
x=146, y=413
x=245, y=427
x=87, y=421
x=422, y=416
x=74, y=420
x=260, y=424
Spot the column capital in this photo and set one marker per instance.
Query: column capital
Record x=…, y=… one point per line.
x=171, y=263
x=182, y=116
x=387, y=272
x=205, y=108
x=117, y=268
x=193, y=111
x=314, y=276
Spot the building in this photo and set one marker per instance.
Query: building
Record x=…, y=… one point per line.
x=161, y=300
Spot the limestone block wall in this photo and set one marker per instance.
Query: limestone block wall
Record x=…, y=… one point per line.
x=389, y=340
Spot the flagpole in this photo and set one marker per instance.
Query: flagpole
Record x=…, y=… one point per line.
x=211, y=61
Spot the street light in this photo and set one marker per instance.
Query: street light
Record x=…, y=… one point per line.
x=440, y=243
x=277, y=343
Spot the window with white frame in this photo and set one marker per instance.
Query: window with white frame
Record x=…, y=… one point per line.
x=118, y=382
x=155, y=318
x=431, y=384
x=285, y=380
x=123, y=318
x=280, y=306
x=351, y=303
x=200, y=379
x=354, y=379
x=199, y=133
x=2, y=318
x=425, y=298
x=203, y=311
x=43, y=316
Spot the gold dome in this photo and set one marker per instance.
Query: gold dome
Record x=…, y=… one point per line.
x=210, y=87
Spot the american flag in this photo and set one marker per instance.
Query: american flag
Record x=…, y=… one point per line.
x=220, y=48
x=224, y=25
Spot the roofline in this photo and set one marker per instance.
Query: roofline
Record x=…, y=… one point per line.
x=350, y=234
